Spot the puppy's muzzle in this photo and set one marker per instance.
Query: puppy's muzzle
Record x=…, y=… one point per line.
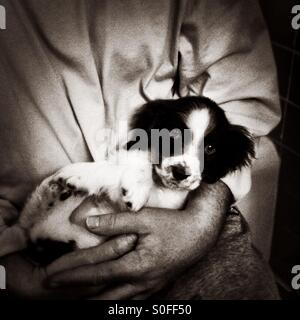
x=180, y=172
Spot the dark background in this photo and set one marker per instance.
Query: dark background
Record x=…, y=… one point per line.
x=286, y=47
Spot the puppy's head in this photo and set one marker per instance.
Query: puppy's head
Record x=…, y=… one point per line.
x=190, y=139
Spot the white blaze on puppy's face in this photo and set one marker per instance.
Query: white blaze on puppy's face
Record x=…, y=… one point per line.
x=190, y=163
x=198, y=122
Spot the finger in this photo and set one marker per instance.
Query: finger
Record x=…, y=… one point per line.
x=109, y=250
x=115, y=224
x=142, y=296
x=97, y=275
x=121, y=292
x=72, y=293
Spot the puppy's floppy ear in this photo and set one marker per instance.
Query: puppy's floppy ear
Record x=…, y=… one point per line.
x=238, y=147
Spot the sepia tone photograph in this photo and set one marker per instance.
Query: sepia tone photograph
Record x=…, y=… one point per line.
x=149, y=151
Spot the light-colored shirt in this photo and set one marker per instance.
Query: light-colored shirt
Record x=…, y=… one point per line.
x=70, y=68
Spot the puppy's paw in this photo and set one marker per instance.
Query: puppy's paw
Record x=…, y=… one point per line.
x=77, y=179
x=55, y=193
x=48, y=194
x=135, y=191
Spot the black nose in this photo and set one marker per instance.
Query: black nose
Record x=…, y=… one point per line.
x=179, y=173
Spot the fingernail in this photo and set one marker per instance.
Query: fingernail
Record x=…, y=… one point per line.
x=92, y=222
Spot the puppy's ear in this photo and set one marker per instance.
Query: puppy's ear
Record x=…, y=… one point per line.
x=238, y=147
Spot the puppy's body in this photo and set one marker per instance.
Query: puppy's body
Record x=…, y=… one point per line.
x=129, y=180
x=125, y=179
x=151, y=175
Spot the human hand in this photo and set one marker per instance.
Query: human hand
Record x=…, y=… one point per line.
x=169, y=242
x=25, y=280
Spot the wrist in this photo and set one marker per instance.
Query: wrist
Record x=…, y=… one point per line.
x=215, y=197
x=208, y=207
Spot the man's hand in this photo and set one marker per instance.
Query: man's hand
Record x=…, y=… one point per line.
x=26, y=280
x=169, y=241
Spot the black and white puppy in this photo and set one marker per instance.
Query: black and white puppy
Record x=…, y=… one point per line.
x=211, y=146
x=202, y=146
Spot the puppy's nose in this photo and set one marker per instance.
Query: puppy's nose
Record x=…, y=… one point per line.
x=179, y=173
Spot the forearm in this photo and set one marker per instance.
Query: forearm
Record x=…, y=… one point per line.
x=209, y=205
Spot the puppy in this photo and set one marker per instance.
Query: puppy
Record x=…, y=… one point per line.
x=187, y=141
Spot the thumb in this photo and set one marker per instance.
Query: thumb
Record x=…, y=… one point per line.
x=115, y=224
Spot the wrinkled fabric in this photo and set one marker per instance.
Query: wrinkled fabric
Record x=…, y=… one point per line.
x=71, y=68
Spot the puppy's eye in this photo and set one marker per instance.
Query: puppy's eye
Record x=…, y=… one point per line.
x=210, y=149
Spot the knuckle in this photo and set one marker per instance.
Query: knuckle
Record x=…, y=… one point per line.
x=146, y=220
x=138, y=269
x=96, y=277
x=111, y=221
x=150, y=284
x=128, y=241
x=117, y=247
x=89, y=258
x=143, y=265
